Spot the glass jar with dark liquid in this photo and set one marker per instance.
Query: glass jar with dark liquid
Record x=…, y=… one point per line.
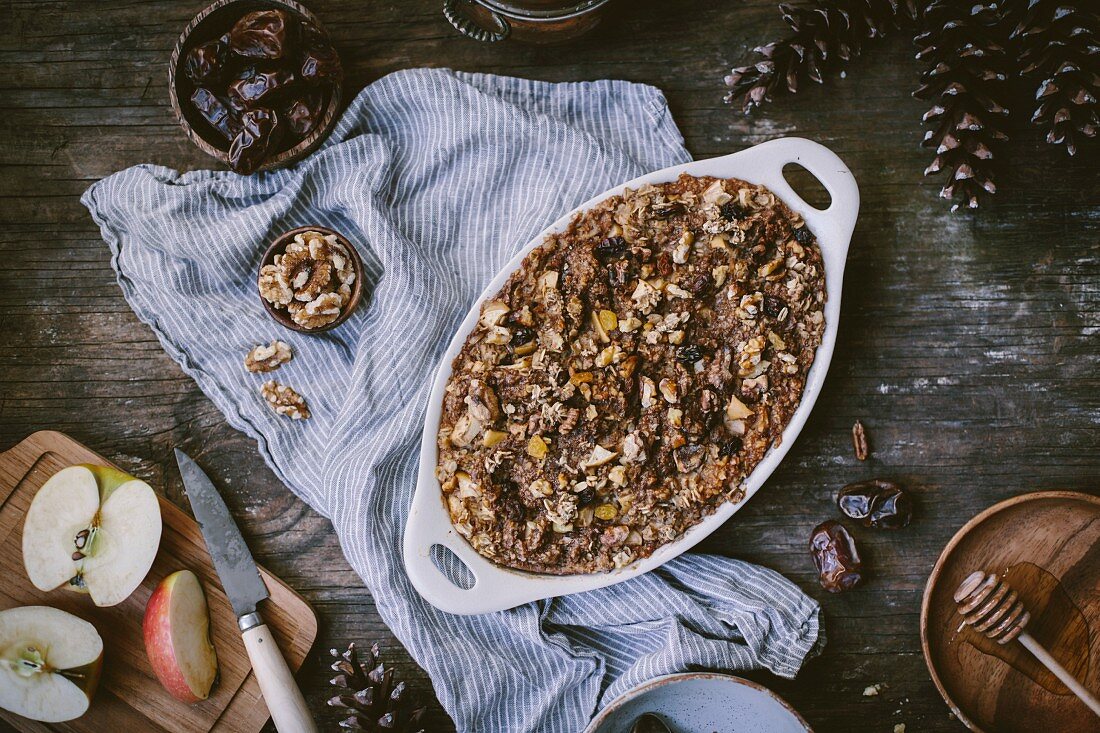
x=530, y=21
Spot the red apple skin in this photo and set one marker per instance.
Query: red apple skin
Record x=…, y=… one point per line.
x=157, y=630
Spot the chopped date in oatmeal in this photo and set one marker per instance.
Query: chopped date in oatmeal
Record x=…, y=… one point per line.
x=630, y=375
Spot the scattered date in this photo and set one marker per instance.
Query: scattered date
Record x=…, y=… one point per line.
x=876, y=503
x=836, y=557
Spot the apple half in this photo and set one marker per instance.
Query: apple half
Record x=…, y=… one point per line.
x=177, y=637
x=94, y=530
x=49, y=663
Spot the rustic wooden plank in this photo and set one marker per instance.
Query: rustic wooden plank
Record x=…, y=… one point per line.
x=967, y=345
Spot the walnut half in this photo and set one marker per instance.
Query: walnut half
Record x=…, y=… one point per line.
x=284, y=400
x=268, y=358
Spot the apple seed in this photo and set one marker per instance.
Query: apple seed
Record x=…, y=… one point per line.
x=30, y=662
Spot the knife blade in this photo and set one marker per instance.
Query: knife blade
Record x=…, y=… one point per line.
x=245, y=588
x=232, y=559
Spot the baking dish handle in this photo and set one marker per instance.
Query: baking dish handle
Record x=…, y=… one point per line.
x=834, y=224
x=428, y=527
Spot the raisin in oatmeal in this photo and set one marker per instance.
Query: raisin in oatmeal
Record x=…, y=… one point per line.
x=630, y=375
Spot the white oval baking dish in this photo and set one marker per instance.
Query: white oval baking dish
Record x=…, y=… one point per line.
x=496, y=588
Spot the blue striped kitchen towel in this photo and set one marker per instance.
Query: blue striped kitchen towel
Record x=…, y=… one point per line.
x=438, y=178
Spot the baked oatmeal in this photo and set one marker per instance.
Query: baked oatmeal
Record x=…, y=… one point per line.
x=630, y=375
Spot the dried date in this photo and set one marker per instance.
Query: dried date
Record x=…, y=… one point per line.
x=521, y=335
x=587, y=497
x=216, y=112
x=732, y=210
x=804, y=236
x=254, y=88
x=206, y=62
x=773, y=306
x=688, y=355
x=258, y=137
x=836, y=557
x=689, y=457
x=611, y=248
x=876, y=503
x=320, y=62
x=731, y=447
x=668, y=209
x=698, y=283
x=620, y=273
x=303, y=114
x=263, y=34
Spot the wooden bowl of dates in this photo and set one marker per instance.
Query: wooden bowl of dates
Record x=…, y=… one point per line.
x=255, y=83
x=282, y=314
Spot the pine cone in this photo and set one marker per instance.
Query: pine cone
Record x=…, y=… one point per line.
x=826, y=34
x=366, y=690
x=1060, y=51
x=963, y=45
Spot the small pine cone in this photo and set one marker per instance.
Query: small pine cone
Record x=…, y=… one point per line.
x=963, y=47
x=1059, y=49
x=367, y=691
x=826, y=34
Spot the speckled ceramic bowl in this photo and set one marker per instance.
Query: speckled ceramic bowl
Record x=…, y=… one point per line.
x=701, y=702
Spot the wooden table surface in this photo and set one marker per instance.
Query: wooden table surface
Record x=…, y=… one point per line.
x=968, y=343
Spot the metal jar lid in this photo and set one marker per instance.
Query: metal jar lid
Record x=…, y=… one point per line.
x=531, y=10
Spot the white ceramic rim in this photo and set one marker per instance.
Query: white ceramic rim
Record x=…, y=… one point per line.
x=497, y=588
x=632, y=693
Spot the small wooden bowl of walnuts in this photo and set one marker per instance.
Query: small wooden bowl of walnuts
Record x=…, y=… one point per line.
x=311, y=279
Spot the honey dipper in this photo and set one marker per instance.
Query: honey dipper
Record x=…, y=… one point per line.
x=992, y=608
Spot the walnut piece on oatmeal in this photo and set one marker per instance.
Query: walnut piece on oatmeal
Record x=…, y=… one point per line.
x=268, y=358
x=312, y=279
x=284, y=400
x=630, y=375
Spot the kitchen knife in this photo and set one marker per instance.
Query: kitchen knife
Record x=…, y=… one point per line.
x=242, y=583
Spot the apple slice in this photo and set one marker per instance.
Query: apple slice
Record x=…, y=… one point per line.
x=49, y=663
x=94, y=530
x=177, y=637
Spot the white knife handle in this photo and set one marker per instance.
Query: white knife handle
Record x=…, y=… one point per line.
x=284, y=699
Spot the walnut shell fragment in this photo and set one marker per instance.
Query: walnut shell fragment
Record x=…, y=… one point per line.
x=268, y=358
x=284, y=400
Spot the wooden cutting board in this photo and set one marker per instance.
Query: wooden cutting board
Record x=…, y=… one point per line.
x=129, y=698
